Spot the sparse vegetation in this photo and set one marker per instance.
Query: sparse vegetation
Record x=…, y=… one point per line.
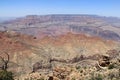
x=5, y=62
x=73, y=79
x=111, y=66
x=6, y=75
x=99, y=77
x=78, y=67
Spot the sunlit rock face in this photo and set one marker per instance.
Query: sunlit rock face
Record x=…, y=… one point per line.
x=104, y=27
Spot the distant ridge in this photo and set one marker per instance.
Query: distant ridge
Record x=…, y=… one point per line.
x=94, y=25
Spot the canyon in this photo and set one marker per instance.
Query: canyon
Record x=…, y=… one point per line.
x=60, y=46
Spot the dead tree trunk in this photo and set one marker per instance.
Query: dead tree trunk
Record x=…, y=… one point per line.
x=4, y=66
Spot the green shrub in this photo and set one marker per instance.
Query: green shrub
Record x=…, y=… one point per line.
x=98, y=77
x=78, y=67
x=111, y=66
x=5, y=75
x=73, y=79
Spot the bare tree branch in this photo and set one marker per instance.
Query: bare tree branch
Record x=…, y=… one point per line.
x=8, y=57
x=2, y=58
x=5, y=65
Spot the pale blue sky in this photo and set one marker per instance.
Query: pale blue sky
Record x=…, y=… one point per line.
x=17, y=8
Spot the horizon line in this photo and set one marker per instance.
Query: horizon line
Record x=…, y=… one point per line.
x=58, y=14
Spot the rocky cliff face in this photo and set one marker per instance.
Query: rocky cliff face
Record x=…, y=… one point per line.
x=104, y=27
x=106, y=34
x=50, y=51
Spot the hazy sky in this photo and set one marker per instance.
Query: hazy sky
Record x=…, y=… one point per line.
x=13, y=8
